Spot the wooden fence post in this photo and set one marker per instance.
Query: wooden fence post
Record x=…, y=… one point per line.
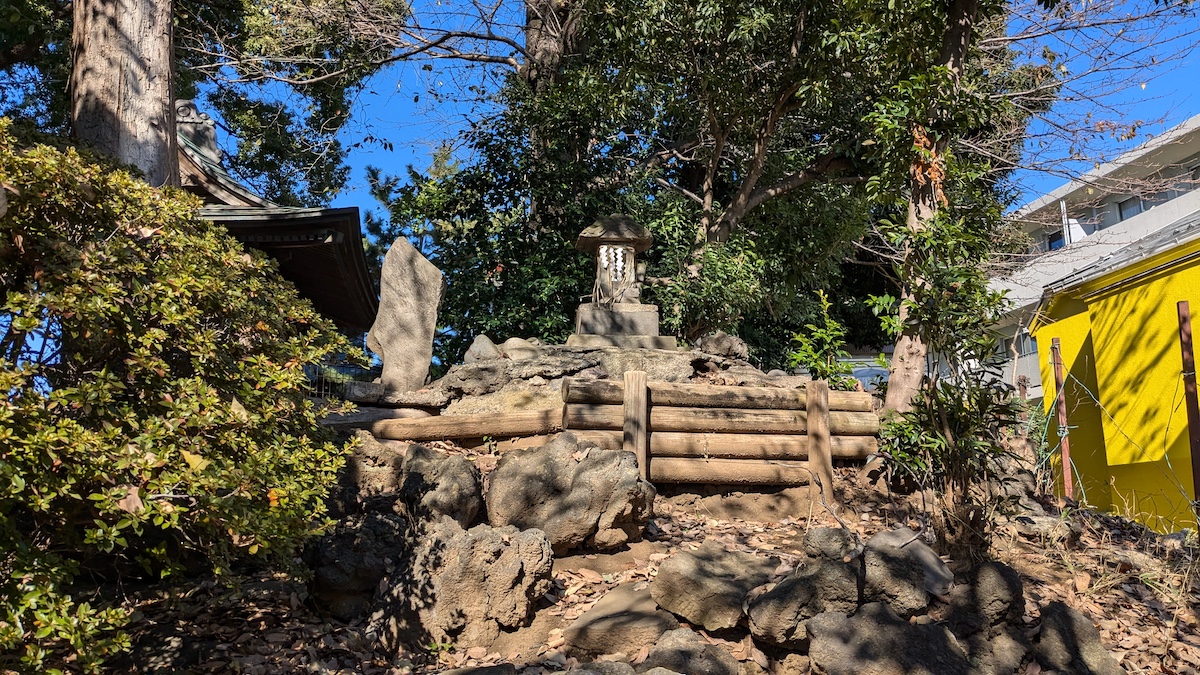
x=820, y=452
x=636, y=432
x=1064, y=431
x=1189, y=392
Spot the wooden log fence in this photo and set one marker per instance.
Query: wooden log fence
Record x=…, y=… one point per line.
x=688, y=433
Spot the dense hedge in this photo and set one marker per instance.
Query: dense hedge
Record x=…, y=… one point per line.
x=155, y=410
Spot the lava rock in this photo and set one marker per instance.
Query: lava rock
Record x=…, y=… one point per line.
x=1070, y=643
x=350, y=561
x=577, y=493
x=623, y=617
x=894, y=576
x=938, y=577
x=778, y=616
x=831, y=543
x=683, y=651
x=435, y=484
x=708, y=586
x=877, y=642
x=464, y=586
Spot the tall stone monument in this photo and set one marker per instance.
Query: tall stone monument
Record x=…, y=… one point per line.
x=616, y=317
x=410, y=290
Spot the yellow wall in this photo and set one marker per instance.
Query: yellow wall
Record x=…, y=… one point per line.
x=1120, y=339
x=1073, y=328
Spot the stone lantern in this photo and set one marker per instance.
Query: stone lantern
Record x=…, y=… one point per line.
x=616, y=317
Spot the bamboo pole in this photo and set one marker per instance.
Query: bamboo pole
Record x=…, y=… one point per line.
x=503, y=425
x=686, y=395
x=719, y=420
x=636, y=427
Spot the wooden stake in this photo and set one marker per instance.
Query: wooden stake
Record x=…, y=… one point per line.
x=636, y=429
x=1064, y=440
x=820, y=454
x=1189, y=392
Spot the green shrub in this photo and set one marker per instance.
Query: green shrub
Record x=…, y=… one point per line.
x=821, y=349
x=155, y=410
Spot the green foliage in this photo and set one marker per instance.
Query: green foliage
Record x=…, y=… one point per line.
x=820, y=349
x=953, y=437
x=155, y=408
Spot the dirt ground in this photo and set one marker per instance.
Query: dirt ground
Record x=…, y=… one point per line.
x=1138, y=587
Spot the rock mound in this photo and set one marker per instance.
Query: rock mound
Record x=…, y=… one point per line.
x=464, y=586
x=709, y=585
x=577, y=493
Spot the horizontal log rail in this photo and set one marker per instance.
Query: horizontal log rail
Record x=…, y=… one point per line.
x=728, y=471
x=719, y=420
x=676, y=394
x=735, y=446
x=519, y=423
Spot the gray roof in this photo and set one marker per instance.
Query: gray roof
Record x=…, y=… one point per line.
x=1183, y=230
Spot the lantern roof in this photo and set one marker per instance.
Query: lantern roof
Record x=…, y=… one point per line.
x=614, y=229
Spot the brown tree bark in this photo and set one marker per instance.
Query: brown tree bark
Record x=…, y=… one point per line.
x=122, y=84
x=907, y=369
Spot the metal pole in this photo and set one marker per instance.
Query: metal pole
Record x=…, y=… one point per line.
x=1064, y=442
x=1189, y=392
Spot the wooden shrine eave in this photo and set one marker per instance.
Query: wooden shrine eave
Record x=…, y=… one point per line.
x=319, y=250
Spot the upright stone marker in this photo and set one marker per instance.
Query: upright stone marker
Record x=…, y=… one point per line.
x=410, y=291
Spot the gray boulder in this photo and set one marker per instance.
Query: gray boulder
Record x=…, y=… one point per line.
x=721, y=343
x=482, y=349
x=623, y=618
x=893, y=576
x=435, y=484
x=938, y=577
x=708, y=586
x=779, y=616
x=992, y=596
x=518, y=349
x=350, y=561
x=464, y=586
x=830, y=543
x=877, y=642
x=1069, y=643
x=410, y=290
x=682, y=651
x=605, y=668
x=577, y=493
x=370, y=480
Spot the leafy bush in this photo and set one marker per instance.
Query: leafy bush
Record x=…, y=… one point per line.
x=155, y=409
x=821, y=350
x=954, y=436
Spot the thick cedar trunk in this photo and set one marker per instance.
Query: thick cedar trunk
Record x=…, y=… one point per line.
x=122, y=84
x=907, y=369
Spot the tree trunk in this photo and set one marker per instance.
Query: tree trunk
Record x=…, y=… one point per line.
x=927, y=173
x=907, y=369
x=122, y=84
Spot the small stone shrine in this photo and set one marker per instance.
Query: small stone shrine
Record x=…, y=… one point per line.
x=616, y=317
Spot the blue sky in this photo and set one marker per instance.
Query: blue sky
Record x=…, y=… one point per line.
x=418, y=110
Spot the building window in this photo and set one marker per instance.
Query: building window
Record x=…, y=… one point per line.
x=1055, y=240
x=1130, y=207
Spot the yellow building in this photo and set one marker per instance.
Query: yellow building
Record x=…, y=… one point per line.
x=1119, y=331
